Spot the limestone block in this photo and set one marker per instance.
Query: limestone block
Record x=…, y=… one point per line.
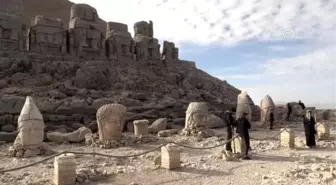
x=170, y=156
x=141, y=127
x=111, y=119
x=323, y=131
x=287, y=138
x=30, y=124
x=239, y=146
x=65, y=169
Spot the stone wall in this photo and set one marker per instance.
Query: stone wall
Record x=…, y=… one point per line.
x=88, y=37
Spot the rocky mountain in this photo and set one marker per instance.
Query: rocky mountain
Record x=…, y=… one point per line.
x=69, y=89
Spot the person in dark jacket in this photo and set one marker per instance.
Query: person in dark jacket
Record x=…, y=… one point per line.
x=271, y=120
x=309, y=128
x=229, y=122
x=302, y=105
x=243, y=126
x=289, y=111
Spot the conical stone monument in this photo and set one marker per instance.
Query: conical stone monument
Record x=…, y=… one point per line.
x=29, y=141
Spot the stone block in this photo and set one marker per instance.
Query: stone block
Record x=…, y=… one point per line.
x=239, y=146
x=323, y=131
x=287, y=138
x=170, y=156
x=65, y=170
x=140, y=127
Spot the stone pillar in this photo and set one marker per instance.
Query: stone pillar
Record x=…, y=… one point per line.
x=287, y=138
x=323, y=131
x=111, y=119
x=239, y=146
x=140, y=127
x=171, y=156
x=65, y=169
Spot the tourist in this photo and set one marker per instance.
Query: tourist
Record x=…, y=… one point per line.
x=302, y=105
x=289, y=111
x=309, y=127
x=243, y=126
x=271, y=119
x=229, y=122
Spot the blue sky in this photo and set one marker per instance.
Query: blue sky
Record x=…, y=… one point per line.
x=283, y=48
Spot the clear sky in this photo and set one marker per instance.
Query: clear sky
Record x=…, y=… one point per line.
x=283, y=48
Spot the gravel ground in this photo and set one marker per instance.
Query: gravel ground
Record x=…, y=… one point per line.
x=270, y=164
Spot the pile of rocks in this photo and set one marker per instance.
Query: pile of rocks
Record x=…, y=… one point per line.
x=90, y=175
x=126, y=140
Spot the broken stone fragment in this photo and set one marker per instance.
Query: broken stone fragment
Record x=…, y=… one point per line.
x=76, y=136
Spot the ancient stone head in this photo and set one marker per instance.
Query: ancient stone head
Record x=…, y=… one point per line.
x=197, y=114
x=30, y=124
x=111, y=119
x=297, y=109
x=84, y=11
x=243, y=105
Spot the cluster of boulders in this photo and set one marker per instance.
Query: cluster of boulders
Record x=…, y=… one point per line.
x=90, y=175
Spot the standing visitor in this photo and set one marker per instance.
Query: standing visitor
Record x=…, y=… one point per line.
x=309, y=128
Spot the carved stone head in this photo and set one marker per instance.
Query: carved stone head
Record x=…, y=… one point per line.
x=197, y=114
x=85, y=12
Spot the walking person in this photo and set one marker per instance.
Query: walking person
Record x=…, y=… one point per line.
x=309, y=128
x=271, y=120
x=229, y=122
x=243, y=126
x=289, y=111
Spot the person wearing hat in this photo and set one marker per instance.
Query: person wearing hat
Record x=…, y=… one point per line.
x=309, y=128
x=243, y=126
x=229, y=123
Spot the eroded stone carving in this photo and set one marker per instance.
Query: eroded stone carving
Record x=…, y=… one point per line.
x=11, y=35
x=196, y=119
x=111, y=120
x=266, y=106
x=47, y=35
x=243, y=105
x=119, y=42
x=169, y=52
x=87, y=39
x=29, y=141
x=146, y=46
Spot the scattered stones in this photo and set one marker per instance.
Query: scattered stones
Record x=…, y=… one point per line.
x=167, y=133
x=158, y=125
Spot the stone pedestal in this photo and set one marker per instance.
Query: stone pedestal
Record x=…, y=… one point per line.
x=140, y=127
x=170, y=157
x=323, y=131
x=287, y=138
x=65, y=170
x=239, y=146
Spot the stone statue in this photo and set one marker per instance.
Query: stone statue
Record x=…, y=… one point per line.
x=146, y=46
x=196, y=119
x=87, y=38
x=266, y=106
x=111, y=119
x=30, y=124
x=29, y=141
x=119, y=40
x=243, y=106
x=169, y=52
x=46, y=35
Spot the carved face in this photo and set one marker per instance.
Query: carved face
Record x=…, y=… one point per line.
x=199, y=119
x=297, y=110
x=31, y=132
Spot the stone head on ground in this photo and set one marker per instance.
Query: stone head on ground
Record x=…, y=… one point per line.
x=196, y=114
x=111, y=119
x=30, y=124
x=243, y=105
